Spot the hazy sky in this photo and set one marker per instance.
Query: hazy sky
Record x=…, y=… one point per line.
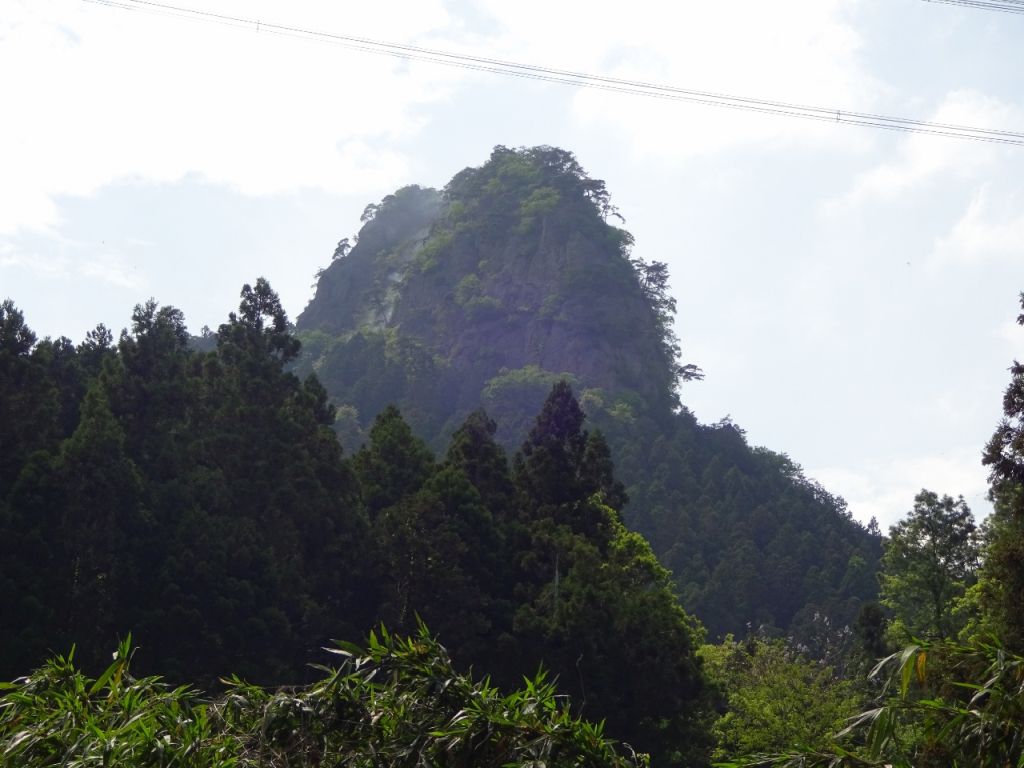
x=849, y=292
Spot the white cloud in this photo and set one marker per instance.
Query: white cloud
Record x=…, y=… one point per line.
x=59, y=258
x=802, y=51
x=48, y=266
x=922, y=158
x=992, y=228
x=886, y=490
x=113, y=268
x=108, y=95
x=1012, y=333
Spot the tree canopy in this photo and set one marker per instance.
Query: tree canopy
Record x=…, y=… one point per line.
x=201, y=501
x=930, y=560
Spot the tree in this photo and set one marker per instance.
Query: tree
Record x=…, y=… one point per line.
x=597, y=472
x=106, y=536
x=29, y=404
x=148, y=386
x=394, y=464
x=474, y=450
x=439, y=549
x=344, y=246
x=1003, y=578
x=943, y=705
x=261, y=323
x=775, y=697
x=553, y=452
x=593, y=600
x=565, y=472
x=930, y=558
x=607, y=622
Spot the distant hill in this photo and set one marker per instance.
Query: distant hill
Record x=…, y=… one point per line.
x=512, y=278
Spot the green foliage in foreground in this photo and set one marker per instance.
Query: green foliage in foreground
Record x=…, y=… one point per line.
x=945, y=705
x=776, y=697
x=397, y=703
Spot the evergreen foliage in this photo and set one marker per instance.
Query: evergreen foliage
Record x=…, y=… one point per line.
x=197, y=494
x=511, y=279
x=202, y=502
x=930, y=560
x=28, y=409
x=1003, y=579
x=200, y=499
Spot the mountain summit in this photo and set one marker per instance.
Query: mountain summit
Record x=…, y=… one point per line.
x=509, y=276
x=512, y=278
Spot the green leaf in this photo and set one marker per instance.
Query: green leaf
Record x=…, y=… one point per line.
x=102, y=679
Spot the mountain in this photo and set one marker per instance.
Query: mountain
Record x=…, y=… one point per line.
x=509, y=276
x=512, y=278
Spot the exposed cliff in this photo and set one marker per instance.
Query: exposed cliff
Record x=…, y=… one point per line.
x=511, y=272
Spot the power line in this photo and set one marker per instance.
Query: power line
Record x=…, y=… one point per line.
x=1005, y=6
x=582, y=79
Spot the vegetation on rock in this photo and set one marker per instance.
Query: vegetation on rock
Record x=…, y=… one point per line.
x=195, y=492
x=512, y=278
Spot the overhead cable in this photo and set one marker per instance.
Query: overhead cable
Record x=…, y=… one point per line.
x=578, y=79
x=1005, y=6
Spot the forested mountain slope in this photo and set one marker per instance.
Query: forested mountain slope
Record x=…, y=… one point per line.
x=200, y=500
x=511, y=278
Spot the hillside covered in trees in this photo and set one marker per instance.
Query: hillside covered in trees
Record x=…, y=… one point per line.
x=201, y=501
x=485, y=562
x=511, y=278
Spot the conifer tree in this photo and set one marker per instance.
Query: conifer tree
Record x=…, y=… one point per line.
x=28, y=399
x=395, y=463
x=106, y=534
x=593, y=599
x=548, y=468
x=1003, y=582
x=477, y=454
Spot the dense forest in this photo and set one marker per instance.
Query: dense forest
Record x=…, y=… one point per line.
x=457, y=516
x=511, y=278
x=201, y=501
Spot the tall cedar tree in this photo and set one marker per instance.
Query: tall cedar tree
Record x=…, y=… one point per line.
x=393, y=464
x=1004, y=562
x=475, y=453
x=439, y=546
x=593, y=600
x=28, y=399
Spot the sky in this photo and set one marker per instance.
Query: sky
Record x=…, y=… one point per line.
x=850, y=293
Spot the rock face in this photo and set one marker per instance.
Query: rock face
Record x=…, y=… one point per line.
x=508, y=278
x=360, y=289
x=511, y=278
